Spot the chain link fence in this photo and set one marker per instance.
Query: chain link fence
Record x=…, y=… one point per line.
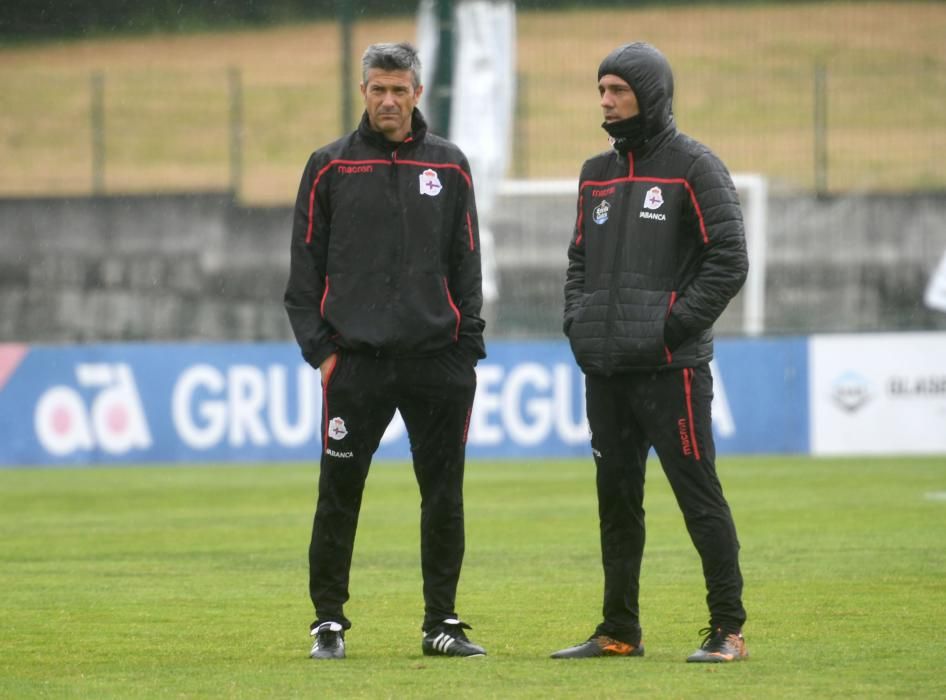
x=838, y=106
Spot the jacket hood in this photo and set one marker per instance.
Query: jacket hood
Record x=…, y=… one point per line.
x=648, y=73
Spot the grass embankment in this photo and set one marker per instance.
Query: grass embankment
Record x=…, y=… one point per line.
x=745, y=85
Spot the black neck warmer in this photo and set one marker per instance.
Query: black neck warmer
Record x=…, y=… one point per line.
x=628, y=134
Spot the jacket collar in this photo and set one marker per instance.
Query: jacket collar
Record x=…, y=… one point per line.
x=376, y=138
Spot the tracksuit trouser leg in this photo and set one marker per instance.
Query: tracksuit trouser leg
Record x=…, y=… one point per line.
x=670, y=411
x=434, y=396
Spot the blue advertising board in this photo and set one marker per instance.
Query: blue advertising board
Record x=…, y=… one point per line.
x=138, y=403
x=760, y=403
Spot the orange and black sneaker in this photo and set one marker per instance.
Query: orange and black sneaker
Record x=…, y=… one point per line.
x=720, y=646
x=600, y=645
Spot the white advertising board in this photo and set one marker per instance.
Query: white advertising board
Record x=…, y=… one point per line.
x=878, y=394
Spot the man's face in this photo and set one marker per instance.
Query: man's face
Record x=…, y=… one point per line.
x=390, y=98
x=618, y=100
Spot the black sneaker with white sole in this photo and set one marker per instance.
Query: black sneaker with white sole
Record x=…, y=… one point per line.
x=449, y=639
x=329, y=641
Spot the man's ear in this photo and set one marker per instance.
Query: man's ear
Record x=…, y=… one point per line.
x=418, y=91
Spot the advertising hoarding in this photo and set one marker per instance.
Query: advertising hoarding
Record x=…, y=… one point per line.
x=878, y=394
x=139, y=403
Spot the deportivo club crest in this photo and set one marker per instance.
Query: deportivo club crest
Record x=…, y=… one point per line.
x=430, y=183
x=601, y=212
x=337, y=429
x=654, y=198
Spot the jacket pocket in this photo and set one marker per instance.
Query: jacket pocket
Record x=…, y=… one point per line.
x=573, y=313
x=331, y=376
x=588, y=329
x=638, y=330
x=668, y=350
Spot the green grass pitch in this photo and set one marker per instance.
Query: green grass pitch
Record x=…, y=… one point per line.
x=190, y=581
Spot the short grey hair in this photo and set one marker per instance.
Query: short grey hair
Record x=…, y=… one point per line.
x=391, y=57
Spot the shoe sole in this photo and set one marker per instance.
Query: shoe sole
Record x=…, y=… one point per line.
x=717, y=659
x=638, y=652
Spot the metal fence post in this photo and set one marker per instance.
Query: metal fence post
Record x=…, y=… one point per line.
x=442, y=96
x=821, y=129
x=236, y=131
x=520, y=141
x=345, y=22
x=97, y=127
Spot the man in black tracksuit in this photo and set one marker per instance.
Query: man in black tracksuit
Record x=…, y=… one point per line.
x=657, y=253
x=384, y=297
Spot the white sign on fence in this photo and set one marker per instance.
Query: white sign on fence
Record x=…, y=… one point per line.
x=878, y=394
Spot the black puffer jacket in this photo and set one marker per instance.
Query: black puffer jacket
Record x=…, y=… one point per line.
x=385, y=253
x=658, y=249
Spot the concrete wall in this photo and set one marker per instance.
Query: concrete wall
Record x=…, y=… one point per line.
x=202, y=267
x=142, y=268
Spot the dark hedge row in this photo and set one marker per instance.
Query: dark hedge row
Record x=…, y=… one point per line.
x=34, y=19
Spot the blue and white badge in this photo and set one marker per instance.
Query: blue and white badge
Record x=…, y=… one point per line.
x=430, y=183
x=654, y=198
x=601, y=212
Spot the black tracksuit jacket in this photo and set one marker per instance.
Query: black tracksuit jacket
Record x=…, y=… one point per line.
x=385, y=254
x=658, y=248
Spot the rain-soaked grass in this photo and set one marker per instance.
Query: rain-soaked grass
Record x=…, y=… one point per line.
x=190, y=581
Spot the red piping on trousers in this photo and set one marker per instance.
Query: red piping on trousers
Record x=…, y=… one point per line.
x=688, y=388
x=466, y=424
x=328, y=377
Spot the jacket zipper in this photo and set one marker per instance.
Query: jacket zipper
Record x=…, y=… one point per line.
x=398, y=262
x=615, y=284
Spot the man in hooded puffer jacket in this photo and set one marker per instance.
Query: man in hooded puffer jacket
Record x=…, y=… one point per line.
x=657, y=253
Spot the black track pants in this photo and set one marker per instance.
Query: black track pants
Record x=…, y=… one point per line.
x=434, y=396
x=670, y=411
